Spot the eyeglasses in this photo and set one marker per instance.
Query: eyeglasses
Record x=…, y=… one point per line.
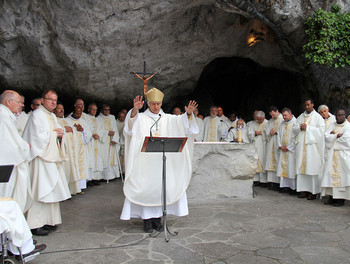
x=106, y=109
x=18, y=102
x=36, y=104
x=50, y=99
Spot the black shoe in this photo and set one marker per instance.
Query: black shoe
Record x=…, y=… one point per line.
x=292, y=192
x=38, y=248
x=50, y=228
x=89, y=184
x=94, y=182
x=330, y=201
x=270, y=186
x=40, y=231
x=157, y=224
x=256, y=183
x=339, y=202
x=147, y=226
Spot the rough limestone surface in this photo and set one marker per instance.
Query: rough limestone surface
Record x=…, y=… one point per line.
x=88, y=48
x=222, y=170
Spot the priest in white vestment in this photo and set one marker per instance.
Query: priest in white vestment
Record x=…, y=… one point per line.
x=200, y=124
x=95, y=145
x=88, y=130
x=286, y=151
x=222, y=116
x=327, y=116
x=143, y=178
x=22, y=118
x=271, y=153
x=109, y=144
x=239, y=133
x=120, y=126
x=71, y=166
x=258, y=138
x=49, y=184
x=14, y=151
x=82, y=136
x=309, y=151
x=214, y=126
x=336, y=173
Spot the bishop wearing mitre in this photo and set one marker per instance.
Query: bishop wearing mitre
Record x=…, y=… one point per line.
x=143, y=176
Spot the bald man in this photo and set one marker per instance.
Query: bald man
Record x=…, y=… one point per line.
x=15, y=151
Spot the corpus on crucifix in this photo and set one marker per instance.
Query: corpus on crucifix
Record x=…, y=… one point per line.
x=143, y=76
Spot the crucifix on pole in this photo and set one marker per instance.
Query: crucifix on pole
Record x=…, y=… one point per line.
x=143, y=76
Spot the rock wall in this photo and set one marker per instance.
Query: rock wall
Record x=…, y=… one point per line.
x=88, y=48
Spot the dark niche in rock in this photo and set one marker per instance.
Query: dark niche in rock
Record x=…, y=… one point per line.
x=241, y=85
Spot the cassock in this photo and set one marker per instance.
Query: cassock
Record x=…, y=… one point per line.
x=95, y=149
x=336, y=174
x=21, y=122
x=82, y=153
x=214, y=128
x=49, y=184
x=286, y=160
x=109, y=151
x=71, y=166
x=260, y=145
x=143, y=177
x=200, y=124
x=271, y=151
x=309, y=152
x=14, y=151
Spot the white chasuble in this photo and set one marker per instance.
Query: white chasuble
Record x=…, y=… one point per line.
x=49, y=184
x=214, y=128
x=71, y=167
x=271, y=143
x=14, y=151
x=109, y=151
x=336, y=174
x=286, y=159
x=95, y=149
x=143, y=178
x=310, y=144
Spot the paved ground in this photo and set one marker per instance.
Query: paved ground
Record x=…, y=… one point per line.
x=271, y=228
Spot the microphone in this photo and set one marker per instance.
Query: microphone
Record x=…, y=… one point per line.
x=225, y=123
x=150, y=130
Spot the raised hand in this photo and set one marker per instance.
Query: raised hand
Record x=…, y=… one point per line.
x=138, y=104
x=192, y=105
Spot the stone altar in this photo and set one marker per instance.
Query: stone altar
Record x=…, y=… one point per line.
x=222, y=170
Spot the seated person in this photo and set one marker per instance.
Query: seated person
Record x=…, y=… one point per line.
x=15, y=227
x=238, y=134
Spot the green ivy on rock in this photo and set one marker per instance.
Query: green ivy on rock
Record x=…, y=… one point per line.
x=328, y=38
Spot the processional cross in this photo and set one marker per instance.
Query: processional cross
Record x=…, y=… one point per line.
x=144, y=77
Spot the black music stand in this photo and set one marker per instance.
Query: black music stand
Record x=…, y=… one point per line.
x=164, y=144
x=5, y=172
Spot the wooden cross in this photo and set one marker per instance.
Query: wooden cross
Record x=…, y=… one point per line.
x=143, y=76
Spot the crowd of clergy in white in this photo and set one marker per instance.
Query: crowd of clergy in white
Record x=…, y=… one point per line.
x=56, y=157
x=308, y=155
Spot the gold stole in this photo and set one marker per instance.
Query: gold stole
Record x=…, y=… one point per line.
x=94, y=122
x=108, y=127
x=303, y=163
x=335, y=167
x=260, y=128
x=80, y=149
x=327, y=122
x=212, y=130
x=285, y=141
x=273, y=162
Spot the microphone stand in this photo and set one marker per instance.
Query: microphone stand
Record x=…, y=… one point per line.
x=150, y=130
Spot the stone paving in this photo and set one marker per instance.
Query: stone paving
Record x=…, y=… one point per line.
x=270, y=228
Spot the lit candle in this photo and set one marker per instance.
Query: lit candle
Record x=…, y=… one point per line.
x=239, y=136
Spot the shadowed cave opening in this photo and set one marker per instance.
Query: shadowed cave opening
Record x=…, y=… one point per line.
x=241, y=85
